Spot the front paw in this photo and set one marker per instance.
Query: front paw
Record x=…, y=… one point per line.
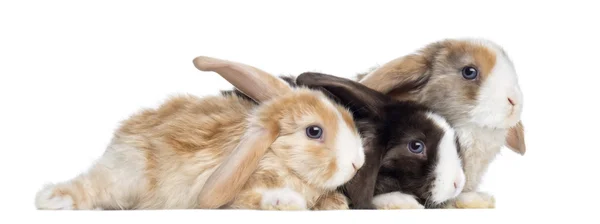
x=473, y=200
x=396, y=200
x=282, y=199
x=52, y=198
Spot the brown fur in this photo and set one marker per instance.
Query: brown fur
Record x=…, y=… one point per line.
x=257, y=84
x=411, y=64
x=481, y=56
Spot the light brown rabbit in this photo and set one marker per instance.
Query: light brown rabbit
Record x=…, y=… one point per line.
x=301, y=145
x=473, y=84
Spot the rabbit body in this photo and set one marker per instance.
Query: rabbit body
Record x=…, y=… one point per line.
x=162, y=158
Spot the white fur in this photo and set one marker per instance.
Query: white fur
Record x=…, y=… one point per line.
x=493, y=108
x=282, y=198
x=448, y=171
x=396, y=200
x=479, y=146
x=349, y=150
x=45, y=199
x=475, y=200
x=117, y=180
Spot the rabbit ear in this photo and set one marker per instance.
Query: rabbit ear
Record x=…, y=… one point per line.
x=361, y=100
x=253, y=82
x=228, y=179
x=400, y=75
x=361, y=188
x=515, y=139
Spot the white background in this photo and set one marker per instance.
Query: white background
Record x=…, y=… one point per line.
x=71, y=70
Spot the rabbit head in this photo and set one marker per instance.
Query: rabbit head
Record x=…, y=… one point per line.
x=468, y=81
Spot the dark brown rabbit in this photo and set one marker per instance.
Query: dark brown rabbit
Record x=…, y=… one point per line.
x=408, y=148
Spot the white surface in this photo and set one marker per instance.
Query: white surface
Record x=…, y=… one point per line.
x=71, y=70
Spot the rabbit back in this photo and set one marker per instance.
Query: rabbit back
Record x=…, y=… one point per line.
x=158, y=158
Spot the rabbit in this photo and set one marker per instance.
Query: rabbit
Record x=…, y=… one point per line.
x=294, y=149
x=474, y=85
x=408, y=147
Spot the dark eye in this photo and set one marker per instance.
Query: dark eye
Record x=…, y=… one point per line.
x=470, y=73
x=416, y=146
x=314, y=132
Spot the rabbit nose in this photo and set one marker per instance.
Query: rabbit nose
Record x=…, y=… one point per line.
x=511, y=101
x=459, y=181
x=457, y=184
x=355, y=166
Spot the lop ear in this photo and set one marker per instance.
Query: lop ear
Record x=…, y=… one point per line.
x=361, y=188
x=361, y=100
x=515, y=139
x=253, y=82
x=402, y=75
x=228, y=179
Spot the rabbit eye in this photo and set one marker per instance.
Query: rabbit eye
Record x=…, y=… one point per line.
x=416, y=146
x=470, y=72
x=314, y=132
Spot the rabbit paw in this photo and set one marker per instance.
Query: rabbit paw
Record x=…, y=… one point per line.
x=396, y=200
x=50, y=198
x=474, y=200
x=282, y=199
x=332, y=201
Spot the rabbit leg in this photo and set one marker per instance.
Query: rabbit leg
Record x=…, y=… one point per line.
x=396, y=200
x=106, y=185
x=269, y=199
x=473, y=200
x=282, y=199
x=332, y=201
